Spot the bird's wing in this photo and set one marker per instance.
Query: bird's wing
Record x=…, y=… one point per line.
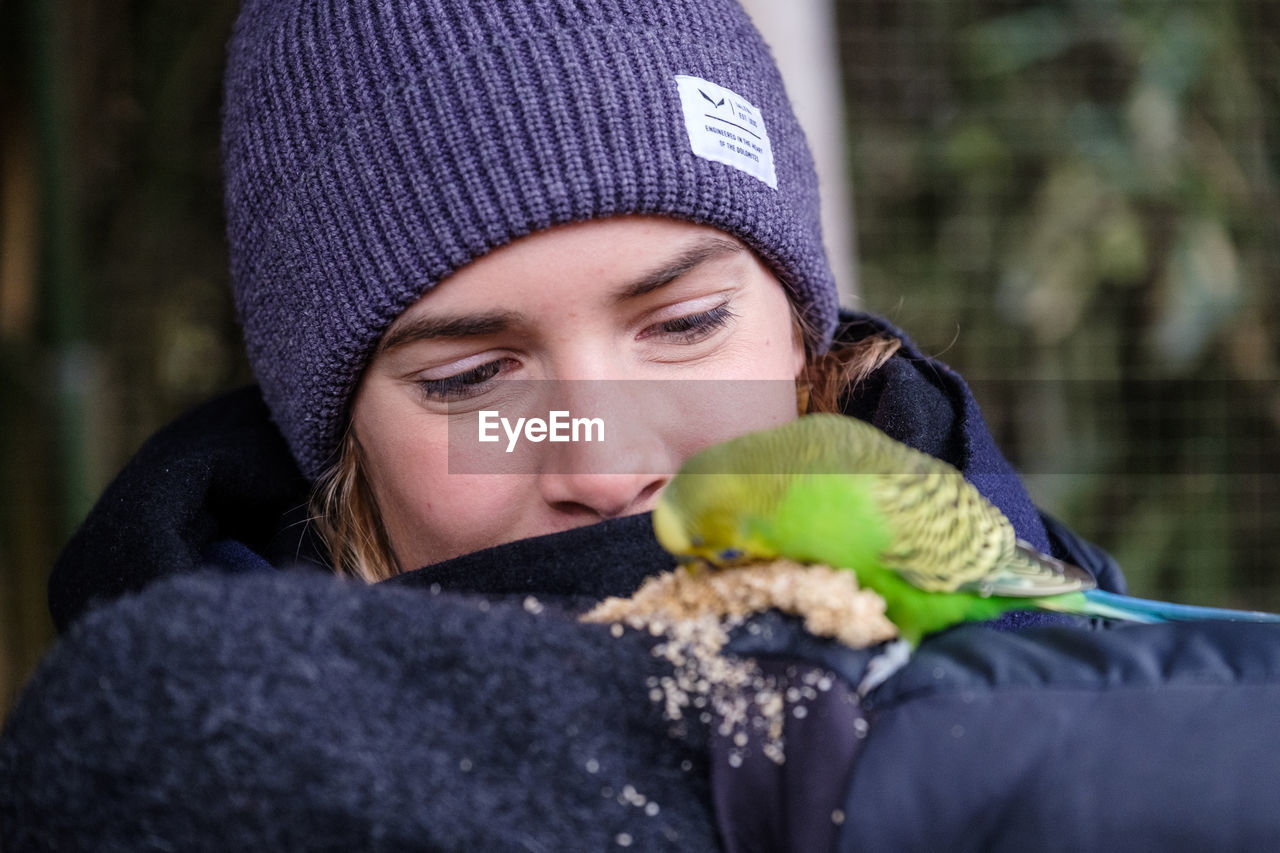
x=949, y=538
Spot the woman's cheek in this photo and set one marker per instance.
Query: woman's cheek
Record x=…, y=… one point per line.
x=714, y=411
x=453, y=514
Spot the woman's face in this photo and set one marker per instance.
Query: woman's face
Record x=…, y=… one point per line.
x=650, y=325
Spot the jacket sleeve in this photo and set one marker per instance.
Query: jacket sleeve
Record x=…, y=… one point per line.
x=285, y=711
x=221, y=472
x=1133, y=737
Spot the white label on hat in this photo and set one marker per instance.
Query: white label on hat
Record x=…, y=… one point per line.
x=725, y=128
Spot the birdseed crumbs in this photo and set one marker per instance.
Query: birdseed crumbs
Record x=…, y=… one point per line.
x=694, y=610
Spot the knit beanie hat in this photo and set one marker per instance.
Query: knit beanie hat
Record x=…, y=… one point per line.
x=373, y=147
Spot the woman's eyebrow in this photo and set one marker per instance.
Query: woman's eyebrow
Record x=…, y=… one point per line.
x=459, y=326
x=692, y=257
x=491, y=323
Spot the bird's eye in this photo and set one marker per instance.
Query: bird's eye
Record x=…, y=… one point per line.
x=695, y=541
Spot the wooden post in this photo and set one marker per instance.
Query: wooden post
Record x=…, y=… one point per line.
x=803, y=36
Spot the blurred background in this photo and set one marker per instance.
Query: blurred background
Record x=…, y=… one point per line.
x=1075, y=203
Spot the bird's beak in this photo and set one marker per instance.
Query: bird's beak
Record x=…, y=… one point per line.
x=670, y=532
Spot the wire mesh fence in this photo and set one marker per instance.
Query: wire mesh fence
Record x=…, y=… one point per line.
x=1075, y=204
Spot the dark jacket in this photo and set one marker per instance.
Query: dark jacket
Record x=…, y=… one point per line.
x=214, y=689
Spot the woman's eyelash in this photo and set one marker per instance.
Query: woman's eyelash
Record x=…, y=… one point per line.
x=460, y=386
x=694, y=327
x=688, y=329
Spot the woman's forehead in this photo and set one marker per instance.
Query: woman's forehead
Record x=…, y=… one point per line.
x=618, y=258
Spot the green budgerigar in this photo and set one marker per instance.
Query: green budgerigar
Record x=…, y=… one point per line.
x=835, y=490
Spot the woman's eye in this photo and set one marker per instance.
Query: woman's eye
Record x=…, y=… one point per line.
x=461, y=386
x=693, y=327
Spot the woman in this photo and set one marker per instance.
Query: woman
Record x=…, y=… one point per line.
x=437, y=209
x=427, y=202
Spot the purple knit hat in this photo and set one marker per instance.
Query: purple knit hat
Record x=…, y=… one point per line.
x=373, y=147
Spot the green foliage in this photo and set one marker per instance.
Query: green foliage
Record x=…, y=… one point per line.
x=1081, y=197
x=110, y=150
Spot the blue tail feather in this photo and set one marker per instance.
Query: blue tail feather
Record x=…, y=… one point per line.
x=1109, y=605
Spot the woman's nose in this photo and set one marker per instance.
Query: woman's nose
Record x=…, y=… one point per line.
x=619, y=469
x=601, y=495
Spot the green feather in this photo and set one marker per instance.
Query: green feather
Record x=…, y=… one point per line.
x=835, y=490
